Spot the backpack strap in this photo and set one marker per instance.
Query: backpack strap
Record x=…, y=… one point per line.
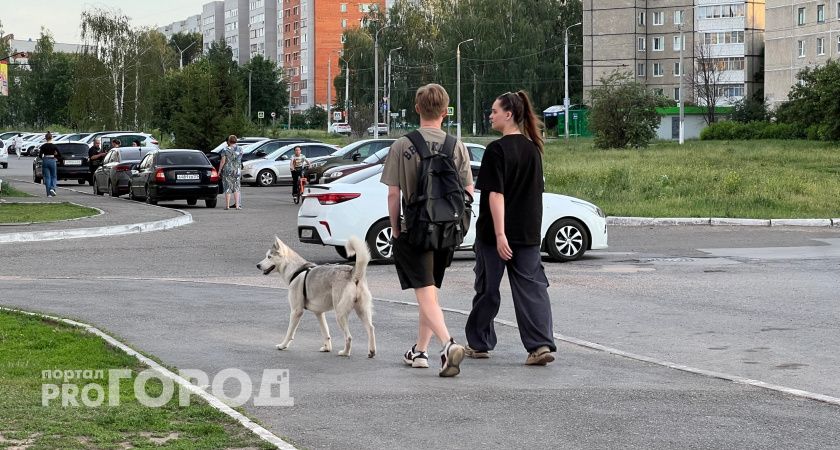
x=419, y=143
x=448, y=148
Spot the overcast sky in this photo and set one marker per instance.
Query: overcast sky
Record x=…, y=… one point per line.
x=24, y=18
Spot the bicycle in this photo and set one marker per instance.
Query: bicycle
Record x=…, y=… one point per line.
x=301, y=185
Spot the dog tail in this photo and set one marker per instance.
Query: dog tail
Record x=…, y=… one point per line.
x=356, y=247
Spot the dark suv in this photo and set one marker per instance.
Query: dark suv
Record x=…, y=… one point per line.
x=73, y=164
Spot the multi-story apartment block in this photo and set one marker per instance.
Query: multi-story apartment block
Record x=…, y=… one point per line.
x=212, y=23
x=262, y=28
x=236, y=29
x=191, y=24
x=311, y=33
x=645, y=37
x=800, y=34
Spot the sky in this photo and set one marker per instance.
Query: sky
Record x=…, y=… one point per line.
x=24, y=18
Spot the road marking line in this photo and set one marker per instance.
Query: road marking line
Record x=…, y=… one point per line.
x=214, y=402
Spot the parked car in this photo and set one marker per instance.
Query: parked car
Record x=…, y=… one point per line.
x=73, y=164
x=174, y=175
x=274, y=167
x=383, y=129
x=245, y=143
x=340, y=128
x=92, y=136
x=31, y=142
x=4, y=156
x=358, y=206
x=127, y=140
x=350, y=154
x=113, y=176
x=72, y=137
x=476, y=153
x=263, y=149
x=6, y=138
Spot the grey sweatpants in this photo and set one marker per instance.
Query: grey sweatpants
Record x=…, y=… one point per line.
x=529, y=287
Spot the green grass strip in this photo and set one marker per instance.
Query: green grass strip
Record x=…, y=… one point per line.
x=42, y=212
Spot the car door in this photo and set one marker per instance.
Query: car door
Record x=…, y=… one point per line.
x=281, y=164
x=316, y=151
x=139, y=176
x=100, y=176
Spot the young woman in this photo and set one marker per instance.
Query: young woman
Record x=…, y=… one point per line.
x=230, y=167
x=297, y=164
x=508, y=233
x=49, y=161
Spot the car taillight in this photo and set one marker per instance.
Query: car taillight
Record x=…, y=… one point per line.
x=333, y=198
x=160, y=176
x=154, y=142
x=214, y=176
x=122, y=167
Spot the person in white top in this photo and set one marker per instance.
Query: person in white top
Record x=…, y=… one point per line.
x=17, y=143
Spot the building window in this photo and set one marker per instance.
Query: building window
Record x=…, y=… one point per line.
x=677, y=42
x=678, y=17
x=821, y=46
x=640, y=69
x=677, y=94
x=800, y=16
x=344, y=7
x=659, y=91
x=838, y=10
x=257, y=4
x=801, y=45
x=821, y=13
x=658, y=44
x=723, y=37
x=343, y=23
x=642, y=44
x=658, y=17
x=677, y=69
x=732, y=90
x=721, y=11
x=642, y=18
x=838, y=44
x=657, y=70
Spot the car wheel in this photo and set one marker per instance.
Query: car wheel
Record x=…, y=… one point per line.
x=35, y=178
x=5, y=166
x=265, y=178
x=210, y=202
x=566, y=240
x=379, y=240
x=192, y=201
x=131, y=194
x=96, y=188
x=149, y=198
x=112, y=190
x=81, y=181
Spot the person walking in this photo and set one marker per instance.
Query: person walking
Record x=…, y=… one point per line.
x=49, y=155
x=508, y=234
x=419, y=269
x=231, y=167
x=17, y=143
x=297, y=164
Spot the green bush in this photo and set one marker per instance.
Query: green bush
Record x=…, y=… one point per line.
x=727, y=131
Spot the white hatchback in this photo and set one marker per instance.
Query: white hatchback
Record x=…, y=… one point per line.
x=356, y=205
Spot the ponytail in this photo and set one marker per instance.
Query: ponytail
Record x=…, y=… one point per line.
x=531, y=124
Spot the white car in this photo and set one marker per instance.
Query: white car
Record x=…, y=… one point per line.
x=4, y=156
x=340, y=128
x=275, y=166
x=383, y=129
x=357, y=205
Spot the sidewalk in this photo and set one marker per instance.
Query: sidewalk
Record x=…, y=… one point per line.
x=116, y=212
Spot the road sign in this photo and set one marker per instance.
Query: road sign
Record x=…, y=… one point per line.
x=395, y=115
x=273, y=114
x=260, y=114
x=402, y=112
x=337, y=116
x=450, y=111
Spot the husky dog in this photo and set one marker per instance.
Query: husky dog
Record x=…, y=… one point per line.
x=324, y=288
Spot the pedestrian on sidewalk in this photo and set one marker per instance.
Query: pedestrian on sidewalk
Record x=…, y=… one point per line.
x=418, y=268
x=17, y=143
x=230, y=166
x=49, y=161
x=508, y=233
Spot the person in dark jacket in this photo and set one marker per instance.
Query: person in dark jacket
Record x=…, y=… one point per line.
x=49, y=155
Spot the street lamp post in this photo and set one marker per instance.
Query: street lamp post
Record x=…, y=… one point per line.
x=566, y=101
x=329, y=90
x=458, y=74
x=376, y=82
x=682, y=70
x=390, y=78
x=181, y=59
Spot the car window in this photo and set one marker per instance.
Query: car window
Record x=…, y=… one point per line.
x=182, y=159
x=363, y=150
x=476, y=153
x=362, y=175
x=73, y=150
x=288, y=154
x=129, y=154
x=316, y=151
x=378, y=156
x=147, y=161
x=110, y=157
x=268, y=148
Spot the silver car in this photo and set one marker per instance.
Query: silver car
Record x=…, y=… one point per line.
x=275, y=166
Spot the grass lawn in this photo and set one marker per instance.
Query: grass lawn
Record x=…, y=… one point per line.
x=748, y=179
x=42, y=212
x=29, y=345
x=8, y=191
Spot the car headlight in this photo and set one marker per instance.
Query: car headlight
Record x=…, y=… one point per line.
x=598, y=211
x=336, y=174
x=316, y=165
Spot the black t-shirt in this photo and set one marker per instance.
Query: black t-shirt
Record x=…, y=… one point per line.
x=49, y=149
x=512, y=166
x=94, y=163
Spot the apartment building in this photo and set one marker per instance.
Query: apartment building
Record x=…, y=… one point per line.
x=237, y=35
x=262, y=28
x=191, y=24
x=212, y=23
x=645, y=37
x=311, y=33
x=800, y=34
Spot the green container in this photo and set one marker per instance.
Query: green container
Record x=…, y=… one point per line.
x=578, y=123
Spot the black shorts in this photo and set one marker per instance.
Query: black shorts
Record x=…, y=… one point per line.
x=419, y=268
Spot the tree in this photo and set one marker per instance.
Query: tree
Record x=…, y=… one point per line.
x=624, y=112
x=191, y=44
x=48, y=85
x=706, y=80
x=813, y=102
x=316, y=118
x=269, y=92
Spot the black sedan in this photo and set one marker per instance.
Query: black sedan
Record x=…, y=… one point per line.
x=113, y=175
x=174, y=175
x=73, y=164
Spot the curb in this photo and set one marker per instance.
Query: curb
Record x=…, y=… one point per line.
x=212, y=400
x=720, y=221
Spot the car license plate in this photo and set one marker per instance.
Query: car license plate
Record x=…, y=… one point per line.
x=307, y=233
x=188, y=177
x=73, y=162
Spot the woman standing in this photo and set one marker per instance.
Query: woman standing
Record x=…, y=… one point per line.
x=49, y=155
x=231, y=167
x=508, y=233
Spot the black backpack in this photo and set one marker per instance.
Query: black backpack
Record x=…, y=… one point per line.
x=438, y=215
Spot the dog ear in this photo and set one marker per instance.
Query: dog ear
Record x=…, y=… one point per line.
x=278, y=244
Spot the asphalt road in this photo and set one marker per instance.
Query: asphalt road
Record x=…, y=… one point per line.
x=755, y=302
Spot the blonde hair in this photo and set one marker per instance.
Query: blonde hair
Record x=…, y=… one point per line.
x=231, y=139
x=432, y=101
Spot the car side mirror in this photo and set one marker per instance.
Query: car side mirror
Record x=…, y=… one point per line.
x=260, y=153
x=284, y=158
x=357, y=157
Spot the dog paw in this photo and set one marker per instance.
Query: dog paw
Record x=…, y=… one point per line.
x=282, y=346
x=325, y=349
x=343, y=353
x=372, y=353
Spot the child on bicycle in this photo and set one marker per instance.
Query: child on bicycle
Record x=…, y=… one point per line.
x=297, y=164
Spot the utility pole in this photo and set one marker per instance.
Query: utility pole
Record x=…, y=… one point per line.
x=290, y=105
x=376, y=82
x=329, y=91
x=566, y=101
x=249, y=94
x=682, y=96
x=390, y=79
x=458, y=70
x=475, y=100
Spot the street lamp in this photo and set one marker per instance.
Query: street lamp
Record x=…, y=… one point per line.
x=458, y=74
x=566, y=101
x=181, y=59
x=390, y=77
x=682, y=103
x=376, y=82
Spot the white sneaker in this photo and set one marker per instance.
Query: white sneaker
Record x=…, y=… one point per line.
x=52, y=192
x=416, y=359
x=450, y=359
